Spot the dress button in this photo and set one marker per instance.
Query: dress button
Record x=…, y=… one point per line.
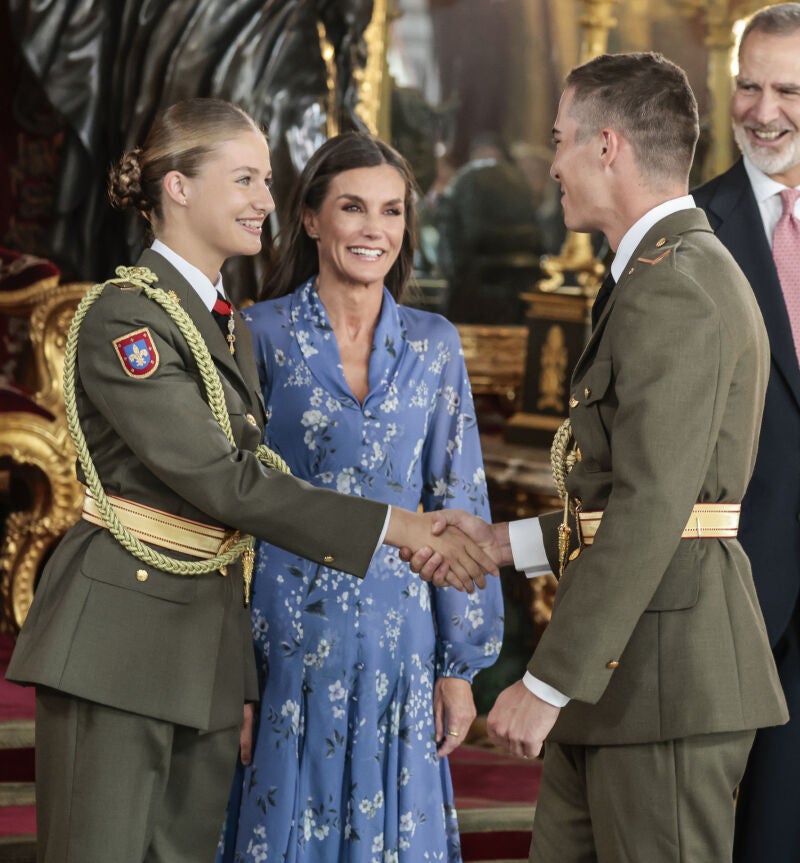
x=141, y=575
x=328, y=558
x=573, y=402
x=660, y=243
x=612, y=664
x=251, y=419
x=587, y=392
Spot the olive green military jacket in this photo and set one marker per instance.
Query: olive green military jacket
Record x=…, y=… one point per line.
x=172, y=647
x=655, y=637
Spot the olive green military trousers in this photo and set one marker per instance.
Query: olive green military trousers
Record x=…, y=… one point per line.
x=668, y=802
x=115, y=786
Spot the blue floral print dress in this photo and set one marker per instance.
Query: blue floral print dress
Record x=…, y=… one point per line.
x=345, y=767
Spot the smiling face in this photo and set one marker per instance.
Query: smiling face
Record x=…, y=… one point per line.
x=359, y=226
x=766, y=104
x=577, y=167
x=228, y=201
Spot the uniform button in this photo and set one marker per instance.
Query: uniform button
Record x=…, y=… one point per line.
x=328, y=558
x=578, y=454
x=631, y=271
x=573, y=402
x=141, y=575
x=360, y=666
x=251, y=419
x=612, y=664
x=587, y=392
x=575, y=553
x=660, y=243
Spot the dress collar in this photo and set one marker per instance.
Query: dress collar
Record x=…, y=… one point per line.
x=314, y=335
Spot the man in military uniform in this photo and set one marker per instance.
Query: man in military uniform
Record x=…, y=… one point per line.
x=655, y=668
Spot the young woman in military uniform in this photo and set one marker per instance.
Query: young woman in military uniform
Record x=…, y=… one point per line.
x=138, y=639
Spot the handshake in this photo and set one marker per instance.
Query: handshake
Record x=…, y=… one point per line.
x=449, y=546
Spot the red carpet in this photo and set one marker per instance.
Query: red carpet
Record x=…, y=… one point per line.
x=16, y=765
x=482, y=778
x=16, y=702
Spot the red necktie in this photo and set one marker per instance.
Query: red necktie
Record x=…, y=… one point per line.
x=222, y=306
x=786, y=251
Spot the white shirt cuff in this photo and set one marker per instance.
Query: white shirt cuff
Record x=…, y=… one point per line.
x=385, y=528
x=527, y=547
x=544, y=691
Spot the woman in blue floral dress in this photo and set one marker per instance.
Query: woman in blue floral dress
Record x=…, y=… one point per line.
x=365, y=684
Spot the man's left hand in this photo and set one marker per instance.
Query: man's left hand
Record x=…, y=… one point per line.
x=520, y=721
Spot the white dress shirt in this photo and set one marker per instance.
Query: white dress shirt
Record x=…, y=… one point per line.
x=767, y=193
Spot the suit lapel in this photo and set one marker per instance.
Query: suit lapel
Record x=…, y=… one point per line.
x=170, y=280
x=736, y=219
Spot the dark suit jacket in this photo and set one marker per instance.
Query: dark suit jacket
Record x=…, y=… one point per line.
x=172, y=647
x=770, y=527
x=655, y=637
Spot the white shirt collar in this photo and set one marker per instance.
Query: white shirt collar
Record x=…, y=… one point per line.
x=766, y=192
x=764, y=186
x=634, y=235
x=205, y=289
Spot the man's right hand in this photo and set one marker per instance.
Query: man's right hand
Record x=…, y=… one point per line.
x=492, y=539
x=460, y=561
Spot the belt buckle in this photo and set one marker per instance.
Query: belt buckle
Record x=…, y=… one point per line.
x=230, y=540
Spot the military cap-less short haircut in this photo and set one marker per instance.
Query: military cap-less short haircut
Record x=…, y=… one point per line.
x=646, y=98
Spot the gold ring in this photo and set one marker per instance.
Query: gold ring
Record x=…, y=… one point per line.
x=454, y=734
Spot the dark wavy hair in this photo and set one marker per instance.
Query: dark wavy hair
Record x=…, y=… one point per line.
x=297, y=258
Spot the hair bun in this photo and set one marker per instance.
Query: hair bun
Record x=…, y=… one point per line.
x=125, y=183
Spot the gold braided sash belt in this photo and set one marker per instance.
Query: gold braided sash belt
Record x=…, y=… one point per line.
x=160, y=528
x=707, y=521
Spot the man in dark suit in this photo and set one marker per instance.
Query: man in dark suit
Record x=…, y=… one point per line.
x=744, y=207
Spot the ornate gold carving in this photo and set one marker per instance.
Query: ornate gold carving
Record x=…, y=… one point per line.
x=329, y=58
x=553, y=375
x=596, y=21
x=39, y=448
x=495, y=358
x=576, y=254
x=577, y=257
x=373, y=91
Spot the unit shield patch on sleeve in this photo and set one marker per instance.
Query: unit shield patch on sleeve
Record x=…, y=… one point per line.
x=137, y=353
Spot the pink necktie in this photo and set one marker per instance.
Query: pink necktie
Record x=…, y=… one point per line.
x=786, y=251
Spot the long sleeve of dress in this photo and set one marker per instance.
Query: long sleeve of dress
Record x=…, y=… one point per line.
x=469, y=628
